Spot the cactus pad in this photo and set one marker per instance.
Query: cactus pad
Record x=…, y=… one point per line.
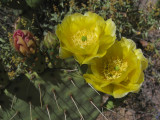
x=51, y=95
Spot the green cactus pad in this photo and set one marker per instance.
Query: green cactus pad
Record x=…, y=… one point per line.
x=36, y=62
x=27, y=102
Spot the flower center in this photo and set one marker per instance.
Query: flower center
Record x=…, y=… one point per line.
x=84, y=38
x=113, y=68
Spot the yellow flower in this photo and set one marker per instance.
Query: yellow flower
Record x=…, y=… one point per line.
x=85, y=36
x=120, y=71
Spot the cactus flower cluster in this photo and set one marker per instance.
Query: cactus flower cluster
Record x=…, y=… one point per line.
x=116, y=67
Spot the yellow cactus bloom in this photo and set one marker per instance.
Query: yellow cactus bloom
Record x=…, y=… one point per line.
x=120, y=71
x=85, y=36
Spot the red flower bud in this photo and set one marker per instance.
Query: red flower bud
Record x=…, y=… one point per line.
x=24, y=42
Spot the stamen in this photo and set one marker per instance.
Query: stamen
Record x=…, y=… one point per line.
x=84, y=38
x=114, y=68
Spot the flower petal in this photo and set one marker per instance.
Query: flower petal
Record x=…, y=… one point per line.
x=108, y=89
x=95, y=80
x=121, y=90
x=89, y=79
x=63, y=53
x=110, y=28
x=105, y=43
x=97, y=67
x=23, y=50
x=141, y=57
x=130, y=44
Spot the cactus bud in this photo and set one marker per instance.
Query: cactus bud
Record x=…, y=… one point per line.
x=24, y=42
x=50, y=40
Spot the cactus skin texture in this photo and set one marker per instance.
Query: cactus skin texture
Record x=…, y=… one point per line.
x=33, y=97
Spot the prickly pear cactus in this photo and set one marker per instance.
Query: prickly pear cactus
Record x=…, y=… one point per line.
x=45, y=92
x=55, y=94
x=49, y=88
